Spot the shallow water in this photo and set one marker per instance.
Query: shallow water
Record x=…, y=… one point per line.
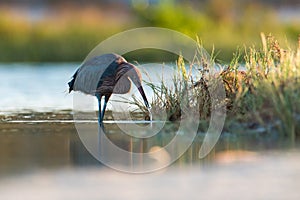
x=36, y=87
x=29, y=144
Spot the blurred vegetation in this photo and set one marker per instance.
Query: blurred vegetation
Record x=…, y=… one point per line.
x=222, y=24
x=66, y=37
x=68, y=33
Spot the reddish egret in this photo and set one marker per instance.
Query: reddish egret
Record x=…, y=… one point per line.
x=104, y=75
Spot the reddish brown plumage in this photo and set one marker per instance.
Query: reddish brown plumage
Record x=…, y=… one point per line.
x=106, y=74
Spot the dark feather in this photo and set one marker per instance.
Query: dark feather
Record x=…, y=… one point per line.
x=71, y=83
x=108, y=73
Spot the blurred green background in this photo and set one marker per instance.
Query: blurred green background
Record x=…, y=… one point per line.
x=65, y=31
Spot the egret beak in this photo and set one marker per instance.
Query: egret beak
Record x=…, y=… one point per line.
x=141, y=90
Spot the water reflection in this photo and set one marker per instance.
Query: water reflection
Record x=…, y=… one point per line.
x=28, y=146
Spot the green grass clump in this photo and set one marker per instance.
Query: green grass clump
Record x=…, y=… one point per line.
x=267, y=92
x=274, y=75
x=186, y=95
x=264, y=90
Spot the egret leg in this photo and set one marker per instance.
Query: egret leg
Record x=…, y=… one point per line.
x=99, y=109
x=104, y=106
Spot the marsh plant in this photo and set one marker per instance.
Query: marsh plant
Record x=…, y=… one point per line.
x=272, y=75
x=266, y=91
x=262, y=90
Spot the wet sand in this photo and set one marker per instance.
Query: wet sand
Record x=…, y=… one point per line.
x=272, y=176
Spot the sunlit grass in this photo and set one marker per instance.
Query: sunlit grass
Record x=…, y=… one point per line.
x=274, y=74
x=264, y=90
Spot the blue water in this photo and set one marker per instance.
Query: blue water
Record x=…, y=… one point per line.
x=39, y=87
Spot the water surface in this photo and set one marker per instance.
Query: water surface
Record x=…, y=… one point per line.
x=36, y=87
